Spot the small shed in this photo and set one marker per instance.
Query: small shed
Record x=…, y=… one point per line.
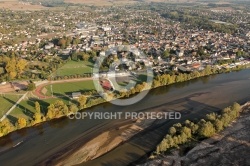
x=76, y=95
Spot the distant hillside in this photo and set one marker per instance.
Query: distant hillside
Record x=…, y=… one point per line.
x=19, y=5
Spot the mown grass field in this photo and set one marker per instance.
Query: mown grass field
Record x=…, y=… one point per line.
x=26, y=108
x=6, y=102
x=62, y=89
x=73, y=68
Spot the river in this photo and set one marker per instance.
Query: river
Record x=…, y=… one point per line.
x=193, y=99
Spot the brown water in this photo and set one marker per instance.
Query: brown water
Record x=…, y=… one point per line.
x=193, y=98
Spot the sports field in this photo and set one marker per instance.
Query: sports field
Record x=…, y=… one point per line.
x=73, y=68
x=62, y=89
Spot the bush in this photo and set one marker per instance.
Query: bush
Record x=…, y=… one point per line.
x=31, y=86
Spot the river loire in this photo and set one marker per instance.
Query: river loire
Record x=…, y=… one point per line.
x=193, y=99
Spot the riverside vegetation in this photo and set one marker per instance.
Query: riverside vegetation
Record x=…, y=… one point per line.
x=60, y=109
x=180, y=134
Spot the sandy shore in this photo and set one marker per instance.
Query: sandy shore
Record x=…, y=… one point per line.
x=106, y=141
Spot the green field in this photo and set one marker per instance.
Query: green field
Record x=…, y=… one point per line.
x=7, y=101
x=63, y=89
x=26, y=108
x=73, y=68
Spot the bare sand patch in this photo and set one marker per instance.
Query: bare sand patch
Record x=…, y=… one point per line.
x=106, y=141
x=88, y=151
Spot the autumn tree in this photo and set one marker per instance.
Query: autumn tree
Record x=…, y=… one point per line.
x=11, y=68
x=187, y=131
x=85, y=56
x=57, y=109
x=82, y=101
x=172, y=130
x=235, y=110
x=207, y=130
x=73, y=108
x=225, y=119
x=139, y=87
x=15, y=67
x=218, y=125
x=156, y=83
x=37, y=107
x=20, y=66
x=50, y=113
x=5, y=127
x=194, y=128
x=37, y=116
x=21, y=123
x=212, y=116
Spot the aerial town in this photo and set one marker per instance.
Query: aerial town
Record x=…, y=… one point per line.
x=166, y=42
x=60, y=59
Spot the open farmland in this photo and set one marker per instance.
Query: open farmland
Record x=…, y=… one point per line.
x=16, y=5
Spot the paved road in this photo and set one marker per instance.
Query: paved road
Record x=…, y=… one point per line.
x=13, y=107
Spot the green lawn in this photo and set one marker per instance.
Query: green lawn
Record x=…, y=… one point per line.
x=6, y=102
x=26, y=108
x=74, y=67
x=62, y=89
